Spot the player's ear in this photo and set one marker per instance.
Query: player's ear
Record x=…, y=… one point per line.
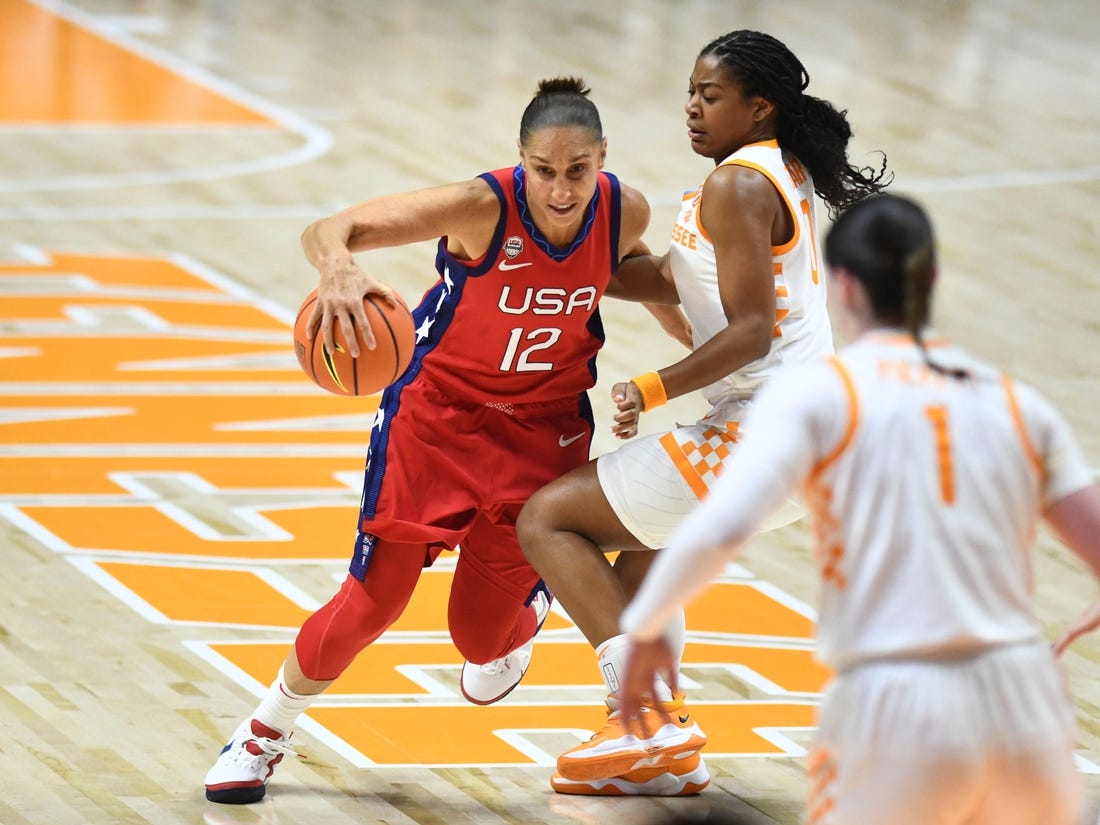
x=603, y=152
x=763, y=109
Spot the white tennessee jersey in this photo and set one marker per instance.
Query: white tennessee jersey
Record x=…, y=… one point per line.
x=802, y=328
x=924, y=492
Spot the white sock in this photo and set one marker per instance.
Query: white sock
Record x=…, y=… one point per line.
x=281, y=707
x=612, y=660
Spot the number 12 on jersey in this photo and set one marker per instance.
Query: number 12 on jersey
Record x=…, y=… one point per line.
x=521, y=345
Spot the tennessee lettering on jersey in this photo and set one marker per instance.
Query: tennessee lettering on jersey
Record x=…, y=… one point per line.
x=521, y=323
x=802, y=329
x=911, y=374
x=684, y=237
x=796, y=171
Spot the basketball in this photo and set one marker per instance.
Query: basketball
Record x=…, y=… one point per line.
x=374, y=369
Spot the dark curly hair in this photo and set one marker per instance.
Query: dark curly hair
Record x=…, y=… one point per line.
x=809, y=127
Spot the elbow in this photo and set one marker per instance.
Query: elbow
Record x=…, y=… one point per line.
x=750, y=335
x=309, y=234
x=760, y=340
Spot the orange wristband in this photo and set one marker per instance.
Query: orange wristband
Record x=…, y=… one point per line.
x=652, y=388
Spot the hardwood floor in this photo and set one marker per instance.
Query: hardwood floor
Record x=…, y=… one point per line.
x=175, y=498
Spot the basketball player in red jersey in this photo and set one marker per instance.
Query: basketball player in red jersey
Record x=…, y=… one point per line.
x=493, y=406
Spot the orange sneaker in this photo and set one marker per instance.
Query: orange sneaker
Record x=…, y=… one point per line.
x=686, y=776
x=614, y=751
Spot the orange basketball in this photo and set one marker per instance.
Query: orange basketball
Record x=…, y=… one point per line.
x=374, y=369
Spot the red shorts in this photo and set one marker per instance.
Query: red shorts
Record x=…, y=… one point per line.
x=443, y=471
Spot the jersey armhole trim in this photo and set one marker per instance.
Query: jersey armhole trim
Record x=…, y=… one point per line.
x=615, y=214
x=1021, y=429
x=482, y=264
x=782, y=249
x=853, y=418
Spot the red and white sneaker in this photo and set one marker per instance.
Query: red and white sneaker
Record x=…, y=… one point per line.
x=492, y=681
x=685, y=777
x=667, y=737
x=243, y=768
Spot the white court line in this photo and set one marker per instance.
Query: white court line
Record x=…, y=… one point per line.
x=170, y=212
x=317, y=140
x=305, y=211
x=1014, y=179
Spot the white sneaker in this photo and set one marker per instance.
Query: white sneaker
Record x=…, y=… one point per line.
x=492, y=681
x=246, y=763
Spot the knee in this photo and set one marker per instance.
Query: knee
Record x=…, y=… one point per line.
x=536, y=521
x=348, y=623
x=484, y=644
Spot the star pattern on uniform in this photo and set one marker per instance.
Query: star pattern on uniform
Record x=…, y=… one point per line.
x=424, y=328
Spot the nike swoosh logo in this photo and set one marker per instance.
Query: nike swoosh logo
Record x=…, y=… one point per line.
x=565, y=442
x=504, y=266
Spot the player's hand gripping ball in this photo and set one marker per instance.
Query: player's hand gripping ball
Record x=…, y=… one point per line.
x=374, y=369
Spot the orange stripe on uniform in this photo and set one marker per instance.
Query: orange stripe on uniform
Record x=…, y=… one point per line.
x=789, y=245
x=822, y=775
x=853, y=418
x=1021, y=429
x=676, y=453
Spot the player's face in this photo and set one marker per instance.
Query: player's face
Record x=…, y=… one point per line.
x=562, y=165
x=720, y=118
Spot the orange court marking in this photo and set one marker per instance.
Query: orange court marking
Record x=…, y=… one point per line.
x=113, y=271
x=91, y=475
x=739, y=607
x=468, y=735
x=793, y=669
x=317, y=533
x=52, y=70
x=139, y=359
x=177, y=312
x=189, y=370
x=187, y=419
x=374, y=671
x=188, y=594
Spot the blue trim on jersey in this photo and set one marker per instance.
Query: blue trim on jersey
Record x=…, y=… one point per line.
x=595, y=328
x=554, y=252
x=615, y=213
x=493, y=252
x=431, y=318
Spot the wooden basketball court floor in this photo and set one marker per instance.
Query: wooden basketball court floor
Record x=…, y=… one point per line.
x=175, y=498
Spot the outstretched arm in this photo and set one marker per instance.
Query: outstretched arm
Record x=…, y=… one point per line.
x=465, y=212
x=781, y=444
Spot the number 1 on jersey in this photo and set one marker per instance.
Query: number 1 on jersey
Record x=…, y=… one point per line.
x=937, y=414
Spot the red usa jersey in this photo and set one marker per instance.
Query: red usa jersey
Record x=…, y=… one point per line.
x=520, y=324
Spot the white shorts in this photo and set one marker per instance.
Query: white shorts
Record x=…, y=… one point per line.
x=654, y=481
x=982, y=740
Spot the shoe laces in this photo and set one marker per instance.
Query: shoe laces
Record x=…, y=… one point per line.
x=268, y=749
x=495, y=667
